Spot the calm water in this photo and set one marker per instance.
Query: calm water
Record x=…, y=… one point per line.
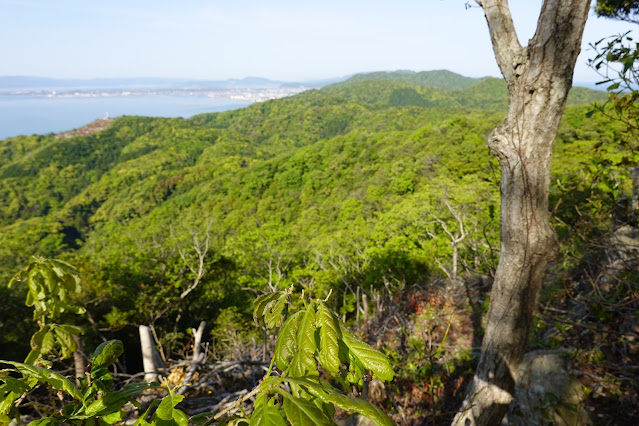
x=27, y=115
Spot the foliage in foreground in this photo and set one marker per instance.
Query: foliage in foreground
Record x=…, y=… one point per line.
x=310, y=338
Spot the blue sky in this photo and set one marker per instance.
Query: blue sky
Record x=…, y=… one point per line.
x=292, y=40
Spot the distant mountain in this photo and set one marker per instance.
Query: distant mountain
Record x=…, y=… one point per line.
x=438, y=89
x=441, y=79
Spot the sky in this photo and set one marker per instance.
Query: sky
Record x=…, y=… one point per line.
x=289, y=40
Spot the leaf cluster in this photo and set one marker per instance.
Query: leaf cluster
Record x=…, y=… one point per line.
x=94, y=400
x=310, y=339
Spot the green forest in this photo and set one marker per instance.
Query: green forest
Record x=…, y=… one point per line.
x=377, y=195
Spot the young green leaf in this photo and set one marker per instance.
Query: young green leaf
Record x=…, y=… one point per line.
x=106, y=354
x=370, y=358
x=167, y=414
x=6, y=401
x=329, y=335
x=262, y=303
x=116, y=416
x=302, y=412
x=48, y=343
x=356, y=370
x=304, y=360
x=329, y=395
x=57, y=380
x=286, y=343
x=273, y=315
x=113, y=401
x=141, y=421
x=266, y=412
x=66, y=342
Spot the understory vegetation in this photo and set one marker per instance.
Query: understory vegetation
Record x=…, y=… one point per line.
x=375, y=202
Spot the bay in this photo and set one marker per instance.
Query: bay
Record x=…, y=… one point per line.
x=27, y=115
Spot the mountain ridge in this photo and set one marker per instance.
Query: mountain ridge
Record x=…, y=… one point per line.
x=443, y=79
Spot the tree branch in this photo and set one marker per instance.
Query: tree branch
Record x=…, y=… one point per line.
x=508, y=51
x=558, y=37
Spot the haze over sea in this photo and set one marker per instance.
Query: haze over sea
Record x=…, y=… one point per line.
x=27, y=115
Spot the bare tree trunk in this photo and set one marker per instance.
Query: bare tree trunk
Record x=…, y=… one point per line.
x=365, y=306
x=634, y=174
x=539, y=77
x=148, y=361
x=78, y=360
x=196, y=360
x=198, y=341
x=357, y=307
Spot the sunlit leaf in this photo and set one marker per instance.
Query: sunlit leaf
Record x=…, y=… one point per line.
x=329, y=333
x=167, y=414
x=44, y=375
x=301, y=412
x=286, y=343
x=107, y=353
x=266, y=412
x=370, y=358
x=330, y=395
x=262, y=303
x=304, y=359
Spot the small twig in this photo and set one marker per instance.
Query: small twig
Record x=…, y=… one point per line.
x=234, y=405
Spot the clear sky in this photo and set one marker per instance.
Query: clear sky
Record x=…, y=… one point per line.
x=292, y=40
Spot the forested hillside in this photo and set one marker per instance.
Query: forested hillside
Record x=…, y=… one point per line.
x=364, y=188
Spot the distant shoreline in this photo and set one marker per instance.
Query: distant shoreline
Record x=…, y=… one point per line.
x=243, y=94
x=43, y=115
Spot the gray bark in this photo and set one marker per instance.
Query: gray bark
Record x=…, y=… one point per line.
x=539, y=77
x=78, y=360
x=634, y=174
x=198, y=341
x=148, y=358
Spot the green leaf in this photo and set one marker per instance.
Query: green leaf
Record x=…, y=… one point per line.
x=66, y=342
x=167, y=414
x=114, y=401
x=141, y=421
x=38, y=338
x=45, y=422
x=356, y=370
x=70, y=329
x=301, y=412
x=266, y=412
x=6, y=401
x=329, y=334
x=304, y=360
x=370, y=358
x=102, y=379
x=286, y=343
x=273, y=315
x=346, y=403
x=48, y=343
x=20, y=277
x=330, y=395
x=114, y=417
x=262, y=303
x=106, y=354
x=44, y=375
x=14, y=385
x=63, y=306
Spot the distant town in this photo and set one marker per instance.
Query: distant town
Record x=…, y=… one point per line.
x=246, y=94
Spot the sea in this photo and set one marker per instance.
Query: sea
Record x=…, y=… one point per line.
x=28, y=115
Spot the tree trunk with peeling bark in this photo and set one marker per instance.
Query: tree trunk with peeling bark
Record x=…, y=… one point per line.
x=539, y=77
